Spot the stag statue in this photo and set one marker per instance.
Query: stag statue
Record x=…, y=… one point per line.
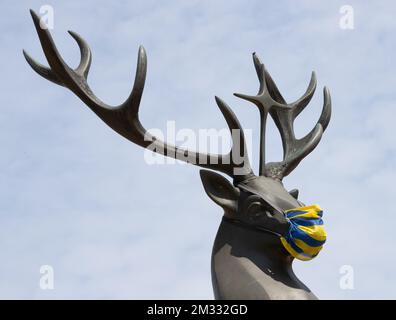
x=249, y=260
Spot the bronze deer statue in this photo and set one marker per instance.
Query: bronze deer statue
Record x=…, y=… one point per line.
x=248, y=259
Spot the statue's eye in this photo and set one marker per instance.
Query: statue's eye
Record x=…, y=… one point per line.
x=258, y=210
x=254, y=210
x=268, y=210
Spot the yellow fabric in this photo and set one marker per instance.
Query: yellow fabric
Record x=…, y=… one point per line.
x=294, y=253
x=306, y=234
x=316, y=232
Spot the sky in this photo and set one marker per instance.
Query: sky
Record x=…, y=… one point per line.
x=76, y=196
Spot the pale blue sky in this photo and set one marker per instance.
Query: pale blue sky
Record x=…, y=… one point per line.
x=77, y=196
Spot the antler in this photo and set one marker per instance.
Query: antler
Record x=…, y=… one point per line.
x=124, y=119
x=269, y=100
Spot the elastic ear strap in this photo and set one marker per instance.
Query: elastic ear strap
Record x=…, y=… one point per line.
x=249, y=226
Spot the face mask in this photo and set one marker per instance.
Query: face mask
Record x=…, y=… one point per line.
x=306, y=235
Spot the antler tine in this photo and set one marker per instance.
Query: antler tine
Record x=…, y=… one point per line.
x=270, y=100
x=299, y=105
x=264, y=101
x=47, y=73
x=295, y=150
x=60, y=73
x=86, y=55
x=42, y=70
x=124, y=119
x=238, y=154
x=325, y=115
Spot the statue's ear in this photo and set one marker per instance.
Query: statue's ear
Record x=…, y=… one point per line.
x=220, y=190
x=294, y=193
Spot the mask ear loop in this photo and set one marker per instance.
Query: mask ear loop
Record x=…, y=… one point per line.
x=301, y=203
x=249, y=226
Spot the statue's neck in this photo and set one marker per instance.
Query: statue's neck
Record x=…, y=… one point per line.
x=261, y=243
x=252, y=264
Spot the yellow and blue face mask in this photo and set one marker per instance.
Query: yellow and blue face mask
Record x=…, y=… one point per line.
x=306, y=235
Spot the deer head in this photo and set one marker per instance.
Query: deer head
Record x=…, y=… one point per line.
x=253, y=200
x=260, y=201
